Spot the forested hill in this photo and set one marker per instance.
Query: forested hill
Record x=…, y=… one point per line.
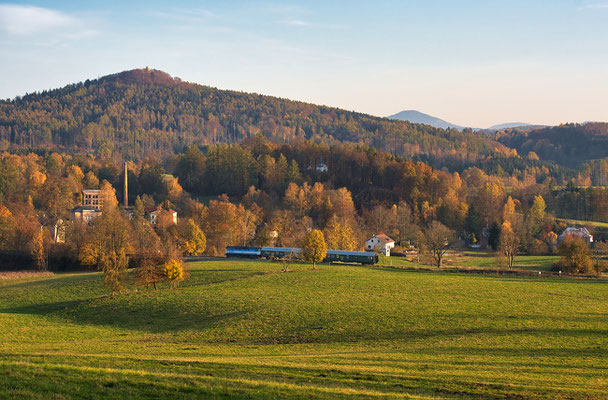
x=147, y=112
x=569, y=144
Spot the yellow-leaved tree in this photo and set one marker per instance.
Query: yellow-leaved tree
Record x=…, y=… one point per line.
x=314, y=249
x=174, y=272
x=340, y=235
x=192, y=240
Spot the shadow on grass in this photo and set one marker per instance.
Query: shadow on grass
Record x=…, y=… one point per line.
x=53, y=279
x=143, y=316
x=446, y=272
x=306, y=378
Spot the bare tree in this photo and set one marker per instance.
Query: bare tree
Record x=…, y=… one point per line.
x=437, y=238
x=508, y=243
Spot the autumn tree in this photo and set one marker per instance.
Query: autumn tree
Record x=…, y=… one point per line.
x=575, y=256
x=57, y=196
x=107, y=196
x=190, y=167
x=220, y=225
x=110, y=240
x=297, y=198
x=378, y=219
x=38, y=251
x=405, y=228
x=508, y=211
x=490, y=198
x=508, y=243
x=536, y=215
x=90, y=181
x=174, y=272
x=314, y=249
x=147, y=256
x=291, y=230
x=172, y=188
x=340, y=235
x=437, y=239
x=192, y=240
x=245, y=224
x=7, y=226
x=138, y=207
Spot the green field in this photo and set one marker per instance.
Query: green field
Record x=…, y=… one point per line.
x=478, y=260
x=243, y=329
x=595, y=224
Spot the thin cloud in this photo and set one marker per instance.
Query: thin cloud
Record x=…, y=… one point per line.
x=594, y=6
x=184, y=15
x=295, y=22
x=20, y=20
x=284, y=9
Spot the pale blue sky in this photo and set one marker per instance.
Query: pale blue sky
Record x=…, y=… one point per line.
x=473, y=63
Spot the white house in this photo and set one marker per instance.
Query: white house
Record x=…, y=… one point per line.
x=153, y=213
x=582, y=233
x=380, y=243
x=321, y=167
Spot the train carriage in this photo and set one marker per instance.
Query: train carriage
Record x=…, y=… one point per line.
x=243, y=252
x=280, y=252
x=271, y=253
x=363, y=257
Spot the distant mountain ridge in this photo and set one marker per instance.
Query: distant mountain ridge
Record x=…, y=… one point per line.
x=509, y=125
x=418, y=117
x=567, y=144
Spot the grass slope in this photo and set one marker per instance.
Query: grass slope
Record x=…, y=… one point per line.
x=241, y=329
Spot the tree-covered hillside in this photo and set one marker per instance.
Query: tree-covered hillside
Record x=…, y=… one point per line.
x=147, y=112
x=569, y=144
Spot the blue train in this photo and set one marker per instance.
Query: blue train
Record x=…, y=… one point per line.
x=362, y=257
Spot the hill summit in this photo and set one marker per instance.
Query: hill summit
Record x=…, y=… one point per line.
x=145, y=112
x=143, y=76
x=421, y=118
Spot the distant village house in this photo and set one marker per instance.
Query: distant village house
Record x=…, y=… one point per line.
x=380, y=243
x=152, y=213
x=582, y=233
x=85, y=213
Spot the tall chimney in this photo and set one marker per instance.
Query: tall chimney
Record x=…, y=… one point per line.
x=126, y=194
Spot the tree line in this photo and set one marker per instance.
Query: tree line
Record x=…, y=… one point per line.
x=260, y=192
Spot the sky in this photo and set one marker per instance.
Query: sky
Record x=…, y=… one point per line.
x=472, y=63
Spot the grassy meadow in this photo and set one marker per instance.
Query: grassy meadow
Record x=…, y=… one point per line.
x=243, y=329
x=476, y=260
x=595, y=224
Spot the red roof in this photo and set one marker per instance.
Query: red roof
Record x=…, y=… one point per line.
x=384, y=238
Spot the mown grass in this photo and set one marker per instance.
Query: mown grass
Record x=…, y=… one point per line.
x=477, y=260
x=243, y=329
